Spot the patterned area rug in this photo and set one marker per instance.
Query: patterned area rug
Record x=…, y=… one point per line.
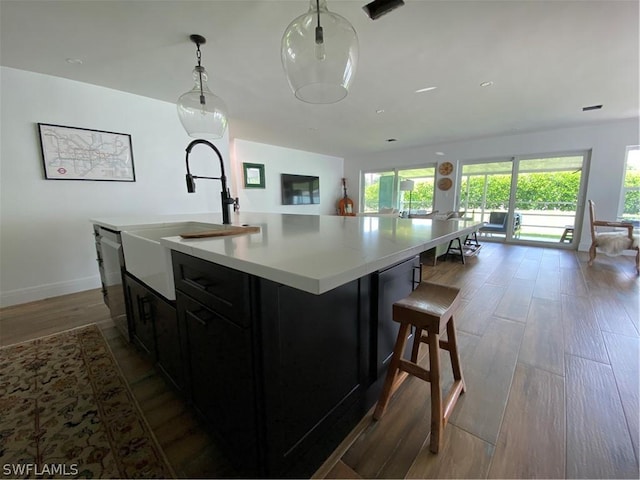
x=66, y=411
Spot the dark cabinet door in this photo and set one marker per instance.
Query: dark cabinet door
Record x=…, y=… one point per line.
x=214, y=305
x=389, y=286
x=154, y=329
x=221, y=382
x=140, y=301
x=169, y=351
x=314, y=372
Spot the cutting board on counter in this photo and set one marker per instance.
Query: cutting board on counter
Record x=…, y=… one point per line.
x=221, y=232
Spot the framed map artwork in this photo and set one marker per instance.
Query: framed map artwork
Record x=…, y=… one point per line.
x=70, y=153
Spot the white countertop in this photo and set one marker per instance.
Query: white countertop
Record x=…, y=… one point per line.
x=127, y=222
x=314, y=253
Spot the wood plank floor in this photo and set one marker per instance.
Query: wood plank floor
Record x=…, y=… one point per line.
x=188, y=447
x=550, y=353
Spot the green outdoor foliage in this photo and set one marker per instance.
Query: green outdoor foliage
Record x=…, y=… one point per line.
x=632, y=198
x=371, y=194
x=536, y=191
x=421, y=197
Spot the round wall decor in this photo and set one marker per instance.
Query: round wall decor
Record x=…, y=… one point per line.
x=445, y=183
x=445, y=168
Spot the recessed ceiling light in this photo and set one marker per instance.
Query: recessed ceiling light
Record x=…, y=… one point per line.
x=392, y=139
x=426, y=89
x=592, y=107
x=380, y=110
x=440, y=154
x=486, y=84
x=74, y=61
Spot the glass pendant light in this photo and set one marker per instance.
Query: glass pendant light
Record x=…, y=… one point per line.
x=319, y=55
x=202, y=114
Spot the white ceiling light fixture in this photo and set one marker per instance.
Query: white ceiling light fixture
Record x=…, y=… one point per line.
x=486, y=84
x=202, y=114
x=319, y=55
x=425, y=89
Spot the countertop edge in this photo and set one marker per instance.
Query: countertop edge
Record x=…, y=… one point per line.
x=315, y=286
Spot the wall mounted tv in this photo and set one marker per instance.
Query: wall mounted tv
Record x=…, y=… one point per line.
x=300, y=189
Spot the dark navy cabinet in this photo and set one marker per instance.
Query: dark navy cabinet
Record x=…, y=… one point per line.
x=140, y=302
x=389, y=286
x=314, y=361
x=280, y=375
x=221, y=383
x=154, y=329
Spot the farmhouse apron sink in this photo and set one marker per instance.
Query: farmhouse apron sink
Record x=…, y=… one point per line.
x=146, y=259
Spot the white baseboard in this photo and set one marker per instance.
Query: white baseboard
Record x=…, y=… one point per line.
x=39, y=292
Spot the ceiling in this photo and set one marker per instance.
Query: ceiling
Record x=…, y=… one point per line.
x=546, y=59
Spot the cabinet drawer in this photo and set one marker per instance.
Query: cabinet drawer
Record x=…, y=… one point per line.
x=222, y=289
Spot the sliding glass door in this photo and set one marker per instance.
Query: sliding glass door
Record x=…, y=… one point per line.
x=526, y=199
x=547, y=195
x=417, y=195
x=377, y=191
x=485, y=190
x=398, y=190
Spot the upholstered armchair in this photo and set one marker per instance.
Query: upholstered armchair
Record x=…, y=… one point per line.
x=611, y=243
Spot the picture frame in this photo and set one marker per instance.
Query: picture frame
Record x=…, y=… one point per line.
x=253, y=175
x=73, y=153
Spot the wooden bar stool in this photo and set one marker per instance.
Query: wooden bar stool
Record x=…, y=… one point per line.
x=430, y=308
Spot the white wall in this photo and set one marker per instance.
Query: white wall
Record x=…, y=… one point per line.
x=607, y=141
x=46, y=242
x=277, y=160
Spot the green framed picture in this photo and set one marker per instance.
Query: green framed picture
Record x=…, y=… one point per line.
x=253, y=175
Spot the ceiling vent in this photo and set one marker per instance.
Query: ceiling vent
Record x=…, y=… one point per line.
x=592, y=107
x=378, y=8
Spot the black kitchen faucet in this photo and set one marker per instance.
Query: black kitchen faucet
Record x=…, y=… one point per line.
x=225, y=194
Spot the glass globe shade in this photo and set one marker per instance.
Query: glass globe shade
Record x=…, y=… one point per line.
x=202, y=120
x=320, y=72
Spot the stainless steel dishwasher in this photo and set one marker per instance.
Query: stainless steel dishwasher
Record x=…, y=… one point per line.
x=111, y=266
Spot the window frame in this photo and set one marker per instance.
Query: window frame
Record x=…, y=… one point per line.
x=397, y=178
x=623, y=188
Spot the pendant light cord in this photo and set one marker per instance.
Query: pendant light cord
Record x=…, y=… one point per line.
x=319, y=32
x=199, y=57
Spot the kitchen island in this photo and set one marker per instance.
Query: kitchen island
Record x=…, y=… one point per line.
x=281, y=337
